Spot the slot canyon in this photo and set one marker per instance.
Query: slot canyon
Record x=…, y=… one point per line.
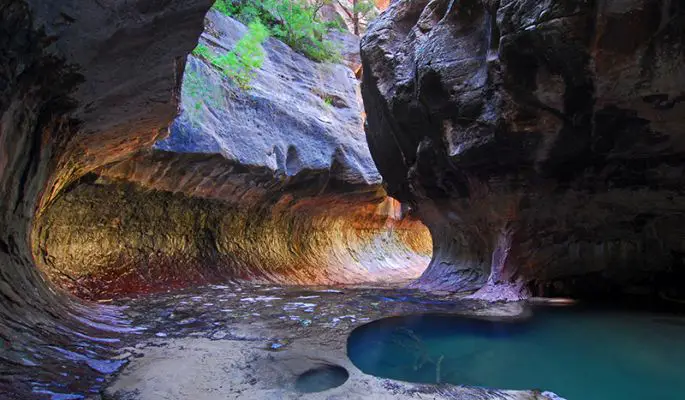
x=252, y=199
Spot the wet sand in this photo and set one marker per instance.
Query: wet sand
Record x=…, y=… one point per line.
x=241, y=341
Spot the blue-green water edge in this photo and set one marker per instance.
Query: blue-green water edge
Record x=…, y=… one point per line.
x=577, y=353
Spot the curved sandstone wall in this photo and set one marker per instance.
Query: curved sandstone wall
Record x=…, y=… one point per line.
x=540, y=141
x=64, y=110
x=103, y=239
x=274, y=183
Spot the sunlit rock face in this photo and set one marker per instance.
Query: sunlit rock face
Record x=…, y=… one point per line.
x=80, y=85
x=540, y=141
x=275, y=184
x=382, y=4
x=297, y=116
x=103, y=239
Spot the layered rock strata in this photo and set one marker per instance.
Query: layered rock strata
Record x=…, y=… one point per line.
x=274, y=183
x=85, y=89
x=105, y=239
x=81, y=84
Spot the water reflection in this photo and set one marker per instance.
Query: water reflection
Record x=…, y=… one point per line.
x=578, y=353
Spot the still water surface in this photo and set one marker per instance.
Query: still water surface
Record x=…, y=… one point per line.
x=577, y=353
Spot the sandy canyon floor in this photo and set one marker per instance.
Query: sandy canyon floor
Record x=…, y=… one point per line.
x=243, y=341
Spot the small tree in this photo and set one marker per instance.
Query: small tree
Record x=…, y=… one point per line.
x=295, y=22
x=358, y=11
x=240, y=64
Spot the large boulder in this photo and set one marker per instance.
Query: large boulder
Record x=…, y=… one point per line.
x=542, y=142
x=297, y=118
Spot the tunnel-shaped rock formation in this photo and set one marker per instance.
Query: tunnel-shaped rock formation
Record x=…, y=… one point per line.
x=274, y=183
x=71, y=101
x=540, y=141
x=241, y=188
x=105, y=239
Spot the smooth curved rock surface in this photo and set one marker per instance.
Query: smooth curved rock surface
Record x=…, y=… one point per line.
x=540, y=141
x=273, y=184
x=298, y=115
x=105, y=239
x=81, y=85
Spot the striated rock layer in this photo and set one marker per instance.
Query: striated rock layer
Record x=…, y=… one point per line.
x=104, y=239
x=81, y=84
x=296, y=116
x=540, y=141
x=274, y=183
x=85, y=89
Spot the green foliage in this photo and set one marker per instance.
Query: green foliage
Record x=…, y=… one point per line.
x=358, y=11
x=295, y=22
x=365, y=8
x=245, y=11
x=241, y=63
x=196, y=92
x=202, y=51
x=224, y=7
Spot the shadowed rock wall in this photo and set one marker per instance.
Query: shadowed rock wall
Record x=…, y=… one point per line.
x=81, y=84
x=541, y=142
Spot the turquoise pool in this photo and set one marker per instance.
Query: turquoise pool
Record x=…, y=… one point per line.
x=577, y=353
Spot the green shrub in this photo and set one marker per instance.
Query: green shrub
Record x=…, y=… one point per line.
x=224, y=7
x=358, y=11
x=203, y=51
x=241, y=63
x=295, y=22
x=195, y=92
x=245, y=11
x=194, y=88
